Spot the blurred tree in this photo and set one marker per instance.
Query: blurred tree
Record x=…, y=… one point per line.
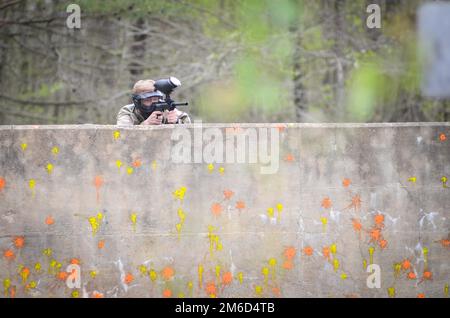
x=238, y=60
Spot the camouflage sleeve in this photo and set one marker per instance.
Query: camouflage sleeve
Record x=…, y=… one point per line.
x=124, y=118
x=183, y=118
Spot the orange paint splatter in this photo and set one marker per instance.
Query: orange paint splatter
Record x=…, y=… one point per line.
x=288, y=264
x=216, y=209
x=75, y=261
x=411, y=275
x=101, y=244
x=379, y=219
x=49, y=220
x=406, y=264
x=427, y=275
x=326, y=252
x=383, y=243
x=227, y=278
x=19, y=241
x=375, y=234
x=280, y=128
x=289, y=158
x=9, y=255
x=276, y=291
x=168, y=273
x=98, y=182
x=421, y=295
x=211, y=288
x=444, y=243
x=96, y=294
x=326, y=203
x=2, y=183
x=13, y=292
x=228, y=194
x=128, y=278
x=442, y=137
x=167, y=293
x=137, y=163
x=308, y=251
x=62, y=276
x=240, y=205
x=346, y=182
x=290, y=252
x=357, y=226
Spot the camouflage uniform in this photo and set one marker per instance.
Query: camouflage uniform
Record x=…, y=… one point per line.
x=129, y=115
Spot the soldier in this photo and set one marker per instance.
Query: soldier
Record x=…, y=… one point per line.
x=144, y=115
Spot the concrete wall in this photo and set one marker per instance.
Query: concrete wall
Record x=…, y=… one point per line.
x=113, y=201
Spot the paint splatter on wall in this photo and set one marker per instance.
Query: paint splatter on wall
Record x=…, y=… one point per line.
x=224, y=230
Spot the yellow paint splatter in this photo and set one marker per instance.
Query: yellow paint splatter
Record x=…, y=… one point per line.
x=425, y=257
x=153, y=275
x=343, y=276
x=181, y=215
x=397, y=268
x=24, y=273
x=24, y=146
x=133, y=218
x=444, y=182
x=391, y=292
x=240, y=277
x=258, y=290
x=179, y=193
x=31, y=285
x=324, y=223
x=190, y=288
x=119, y=164
x=265, y=272
x=37, y=267
x=178, y=227
x=52, y=267
x=270, y=212
x=279, y=210
x=130, y=170
x=116, y=134
x=333, y=249
x=95, y=222
x=32, y=185
x=143, y=270
x=446, y=290
x=47, y=252
x=335, y=264
x=49, y=168
x=210, y=167
x=55, y=150
x=221, y=170
x=272, y=264
x=412, y=179
x=75, y=294
x=181, y=295
x=218, y=274
x=6, y=286
x=200, y=275
x=371, y=250
x=154, y=164
x=364, y=264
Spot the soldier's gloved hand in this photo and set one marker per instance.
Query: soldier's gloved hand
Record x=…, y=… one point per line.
x=172, y=117
x=155, y=118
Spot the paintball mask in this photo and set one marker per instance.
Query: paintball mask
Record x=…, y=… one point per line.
x=146, y=110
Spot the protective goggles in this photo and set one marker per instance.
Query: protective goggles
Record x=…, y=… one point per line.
x=148, y=95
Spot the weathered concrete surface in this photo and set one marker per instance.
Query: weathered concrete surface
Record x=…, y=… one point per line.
x=111, y=201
